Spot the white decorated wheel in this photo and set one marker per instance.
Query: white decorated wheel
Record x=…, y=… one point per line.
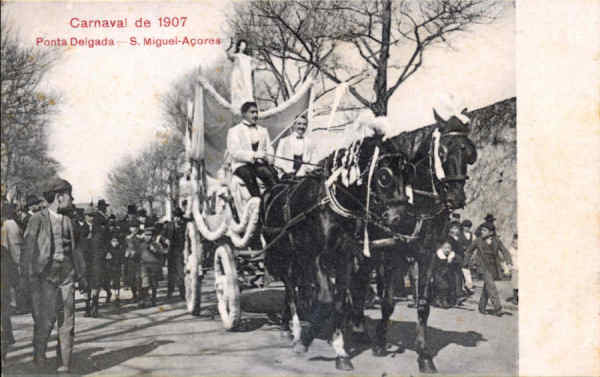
x=227, y=287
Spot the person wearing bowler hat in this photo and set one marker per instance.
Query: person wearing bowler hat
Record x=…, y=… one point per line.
x=124, y=227
x=131, y=216
x=93, y=249
x=132, y=258
x=174, y=233
x=53, y=263
x=483, y=250
x=113, y=260
x=142, y=218
x=501, y=254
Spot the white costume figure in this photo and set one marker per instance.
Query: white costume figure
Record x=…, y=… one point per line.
x=241, y=75
x=295, y=149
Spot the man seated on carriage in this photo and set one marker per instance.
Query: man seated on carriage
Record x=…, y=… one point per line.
x=295, y=150
x=249, y=146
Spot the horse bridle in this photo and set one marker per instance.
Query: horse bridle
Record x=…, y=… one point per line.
x=365, y=214
x=429, y=157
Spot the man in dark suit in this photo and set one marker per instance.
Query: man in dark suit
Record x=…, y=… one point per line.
x=174, y=232
x=53, y=263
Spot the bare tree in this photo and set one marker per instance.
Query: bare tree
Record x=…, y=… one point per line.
x=25, y=113
x=145, y=179
x=317, y=35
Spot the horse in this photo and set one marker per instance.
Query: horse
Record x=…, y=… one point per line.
x=436, y=194
x=310, y=227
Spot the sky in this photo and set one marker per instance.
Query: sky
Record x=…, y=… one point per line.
x=110, y=104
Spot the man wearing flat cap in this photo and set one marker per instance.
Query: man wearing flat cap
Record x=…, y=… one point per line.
x=52, y=264
x=32, y=206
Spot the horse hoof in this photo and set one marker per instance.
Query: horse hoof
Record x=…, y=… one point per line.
x=343, y=363
x=300, y=348
x=362, y=337
x=426, y=365
x=286, y=335
x=379, y=351
x=401, y=348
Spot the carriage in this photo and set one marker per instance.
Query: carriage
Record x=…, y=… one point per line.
x=399, y=190
x=223, y=234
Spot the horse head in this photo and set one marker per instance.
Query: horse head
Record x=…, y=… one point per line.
x=456, y=151
x=388, y=185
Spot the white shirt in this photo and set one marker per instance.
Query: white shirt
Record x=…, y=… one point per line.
x=252, y=132
x=297, y=145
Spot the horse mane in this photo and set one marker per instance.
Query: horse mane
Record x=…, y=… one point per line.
x=417, y=142
x=412, y=143
x=367, y=146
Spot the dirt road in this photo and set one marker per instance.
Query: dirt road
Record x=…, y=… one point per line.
x=167, y=341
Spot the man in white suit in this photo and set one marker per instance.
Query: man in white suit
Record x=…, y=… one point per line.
x=295, y=149
x=249, y=146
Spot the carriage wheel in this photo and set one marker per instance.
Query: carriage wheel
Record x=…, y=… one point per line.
x=227, y=287
x=193, y=286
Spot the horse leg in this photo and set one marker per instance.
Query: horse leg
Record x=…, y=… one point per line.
x=286, y=315
x=358, y=288
x=392, y=265
x=342, y=285
x=425, y=359
x=321, y=309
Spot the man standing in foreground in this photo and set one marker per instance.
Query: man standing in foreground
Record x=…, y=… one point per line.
x=53, y=263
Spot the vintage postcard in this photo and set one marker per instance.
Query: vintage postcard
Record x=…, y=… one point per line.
x=299, y=187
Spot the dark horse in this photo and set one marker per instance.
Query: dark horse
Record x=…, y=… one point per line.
x=311, y=225
x=435, y=197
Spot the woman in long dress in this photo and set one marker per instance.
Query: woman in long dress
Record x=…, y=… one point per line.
x=242, y=88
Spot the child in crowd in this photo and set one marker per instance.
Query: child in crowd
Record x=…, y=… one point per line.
x=443, y=276
x=113, y=260
x=151, y=257
x=132, y=259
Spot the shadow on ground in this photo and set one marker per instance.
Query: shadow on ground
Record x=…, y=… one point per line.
x=87, y=361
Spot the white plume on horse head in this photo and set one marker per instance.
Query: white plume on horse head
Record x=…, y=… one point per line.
x=448, y=105
x=366, y=125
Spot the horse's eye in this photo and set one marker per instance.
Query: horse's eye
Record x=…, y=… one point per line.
x=470, y=153
x=384, y=178
x=401, y=164
x=443, y=152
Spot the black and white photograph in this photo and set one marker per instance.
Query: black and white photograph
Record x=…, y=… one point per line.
x=263, y=188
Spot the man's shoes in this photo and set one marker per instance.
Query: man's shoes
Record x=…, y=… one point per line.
x=63, y=369
x=39, y=361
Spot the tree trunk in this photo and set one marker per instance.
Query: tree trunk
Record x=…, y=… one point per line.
x=379, y=107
